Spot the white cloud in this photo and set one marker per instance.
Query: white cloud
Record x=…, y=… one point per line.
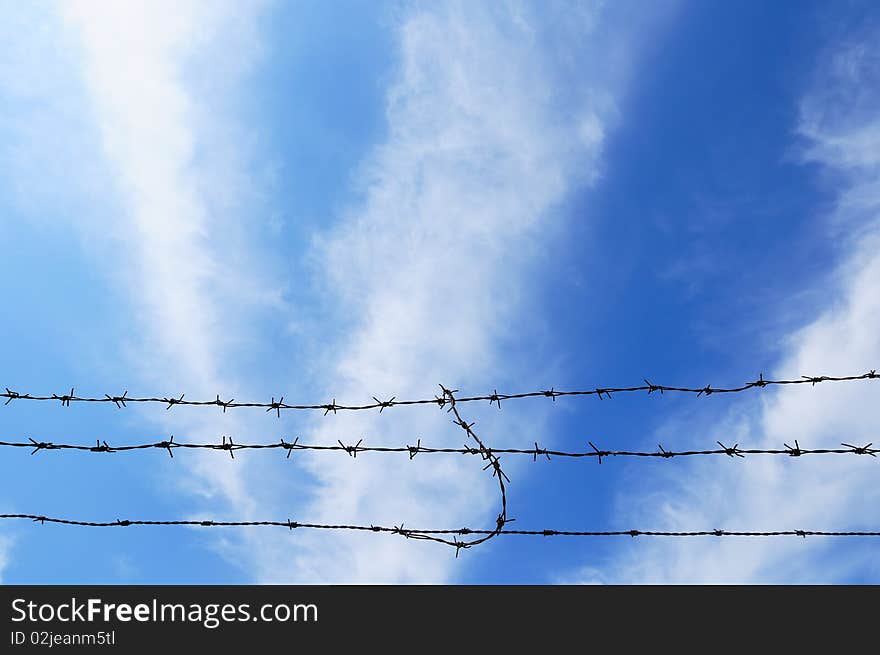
x=841, y=126
x=488, y=132
x=178, y=239
x=129, y=122
x=151, y=123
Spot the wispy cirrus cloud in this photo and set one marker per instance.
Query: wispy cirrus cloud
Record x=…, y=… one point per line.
x=497, y=112
x=155, y=74
x=840, y=129
x=120, y=109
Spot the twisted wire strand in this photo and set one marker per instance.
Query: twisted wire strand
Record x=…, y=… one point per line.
x=493, y=462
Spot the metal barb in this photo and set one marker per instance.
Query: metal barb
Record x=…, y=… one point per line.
x=351, y=450
x=414, y=450
x=540, y=451
x=289, y=446
x=382, y=403
x=119, y=401
x=42, y=445
x=796, y=451
x=731, y=451
x=599, y=453
x=862, y=450
x=276, y=406
x=228, y=446
x=65, y=399
x=173, y=401
x=167, y=445
x=11, y=395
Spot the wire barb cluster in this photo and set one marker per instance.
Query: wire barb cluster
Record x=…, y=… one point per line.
x=493, y=462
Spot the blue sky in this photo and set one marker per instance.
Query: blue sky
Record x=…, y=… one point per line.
x=343, y=200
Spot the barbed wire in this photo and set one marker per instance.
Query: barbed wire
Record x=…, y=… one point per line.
x=416, y=533
x=493, y=462
x=226, y=444
x=440, y=536
x=448, y=398
x=494, y=398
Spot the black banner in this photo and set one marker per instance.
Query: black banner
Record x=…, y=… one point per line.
x=132, y=618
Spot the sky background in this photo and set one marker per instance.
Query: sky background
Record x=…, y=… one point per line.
x=348, y=199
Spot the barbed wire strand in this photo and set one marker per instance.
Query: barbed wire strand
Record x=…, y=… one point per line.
x=489, y=455
x=426, y=534
x=537, y=452
x=493, y=462
x=495, y=398
x=440, y=536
